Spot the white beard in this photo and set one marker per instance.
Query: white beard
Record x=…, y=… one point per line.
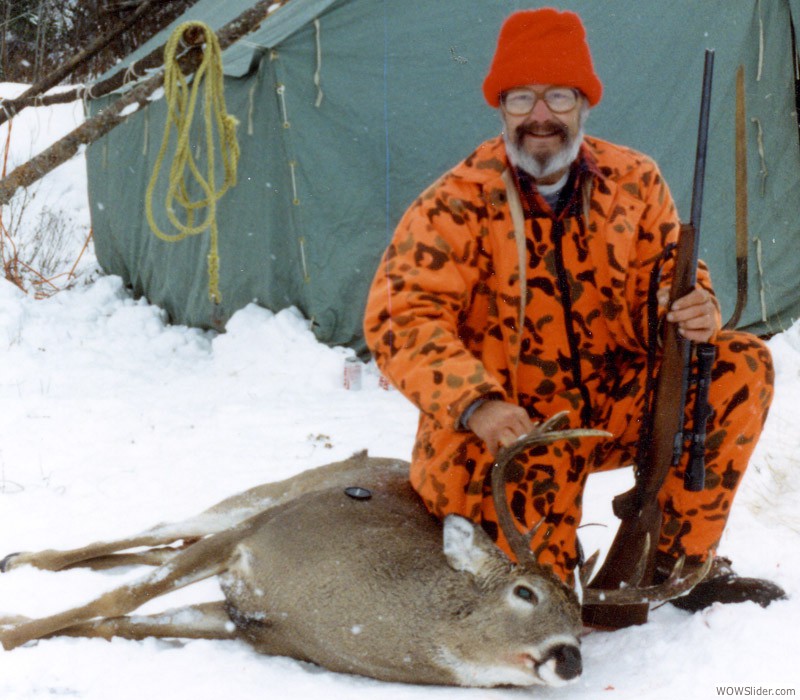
x=545, y=165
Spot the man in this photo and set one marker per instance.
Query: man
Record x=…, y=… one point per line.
x=516, y=287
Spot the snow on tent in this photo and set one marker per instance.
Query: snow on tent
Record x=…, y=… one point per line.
x=347, y=109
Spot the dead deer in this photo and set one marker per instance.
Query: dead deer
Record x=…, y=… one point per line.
x=344, y=567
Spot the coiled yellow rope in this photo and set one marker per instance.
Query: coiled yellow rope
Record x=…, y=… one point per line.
x=181, y=104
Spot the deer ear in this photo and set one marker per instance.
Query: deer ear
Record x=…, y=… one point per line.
x=466, y=547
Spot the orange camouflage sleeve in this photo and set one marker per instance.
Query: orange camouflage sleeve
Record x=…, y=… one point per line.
x=420, y=297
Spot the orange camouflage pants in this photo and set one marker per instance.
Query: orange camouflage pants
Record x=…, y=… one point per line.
x=551, y=483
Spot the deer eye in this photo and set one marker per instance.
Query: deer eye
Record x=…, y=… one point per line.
x=526, y=594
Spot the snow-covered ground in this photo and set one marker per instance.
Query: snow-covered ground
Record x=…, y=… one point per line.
x=112, y=420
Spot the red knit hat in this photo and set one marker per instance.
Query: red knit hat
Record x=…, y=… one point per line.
x=542, y=47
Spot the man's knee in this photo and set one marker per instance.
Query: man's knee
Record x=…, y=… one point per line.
x=744, y=365
x=742, y=382
x=738, y=351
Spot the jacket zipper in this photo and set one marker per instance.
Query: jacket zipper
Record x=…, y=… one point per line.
x=562, y=281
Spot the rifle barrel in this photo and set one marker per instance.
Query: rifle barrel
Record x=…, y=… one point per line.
x=702, y=148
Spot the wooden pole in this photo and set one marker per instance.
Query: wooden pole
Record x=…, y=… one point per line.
x=742, y=236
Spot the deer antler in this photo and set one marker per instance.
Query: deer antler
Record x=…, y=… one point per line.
x=673, y=587
x=544, y=433
x=548, y=432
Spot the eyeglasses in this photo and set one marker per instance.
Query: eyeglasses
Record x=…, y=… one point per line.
x=521, y=101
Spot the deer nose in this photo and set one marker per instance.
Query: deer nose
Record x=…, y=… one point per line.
x=567, y=659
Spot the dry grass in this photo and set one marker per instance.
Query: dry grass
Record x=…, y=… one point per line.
x=38, y=258
x=42, y=262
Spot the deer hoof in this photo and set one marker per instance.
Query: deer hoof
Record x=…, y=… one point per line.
x=5, y=562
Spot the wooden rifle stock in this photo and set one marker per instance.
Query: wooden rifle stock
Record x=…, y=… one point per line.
x=631, y=558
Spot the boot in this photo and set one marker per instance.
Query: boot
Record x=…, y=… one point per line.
x=721, y=585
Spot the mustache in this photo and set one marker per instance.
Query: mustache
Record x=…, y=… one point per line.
x=541, y=129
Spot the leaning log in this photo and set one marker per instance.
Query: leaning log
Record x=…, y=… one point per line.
x=33, y=95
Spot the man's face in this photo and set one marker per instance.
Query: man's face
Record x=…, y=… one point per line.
x=545, y=140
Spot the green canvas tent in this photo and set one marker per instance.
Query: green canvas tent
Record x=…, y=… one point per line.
x=349, y=108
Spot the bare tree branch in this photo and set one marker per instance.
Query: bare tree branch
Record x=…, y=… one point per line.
x=122, y=6
x=4, y=41
x=27, y=98
x=130, y=74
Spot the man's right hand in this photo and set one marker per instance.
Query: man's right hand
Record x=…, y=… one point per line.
x=499, y=424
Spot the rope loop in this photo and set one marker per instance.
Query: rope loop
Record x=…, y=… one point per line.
x=182, y=99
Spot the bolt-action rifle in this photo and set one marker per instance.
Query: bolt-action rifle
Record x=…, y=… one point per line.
x=631, y=558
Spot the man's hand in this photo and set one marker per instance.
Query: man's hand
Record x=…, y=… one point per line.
x=499, y=424
x=695, y=314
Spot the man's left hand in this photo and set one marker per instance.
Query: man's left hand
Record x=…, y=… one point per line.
x=696, y=314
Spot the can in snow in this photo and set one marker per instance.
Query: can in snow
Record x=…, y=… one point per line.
x=352, y=374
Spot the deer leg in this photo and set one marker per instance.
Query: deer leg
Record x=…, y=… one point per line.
x=203, y=621
x=56, y=560
x=215, y=520
x=207, y=558
x=93, y=555
x=10, y=620
x=156, y=556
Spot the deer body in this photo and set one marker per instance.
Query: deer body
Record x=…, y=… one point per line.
x=397, y=610
x=364, y=582
x=355, y=585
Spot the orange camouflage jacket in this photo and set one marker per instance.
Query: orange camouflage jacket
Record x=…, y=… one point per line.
x=466, y=304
